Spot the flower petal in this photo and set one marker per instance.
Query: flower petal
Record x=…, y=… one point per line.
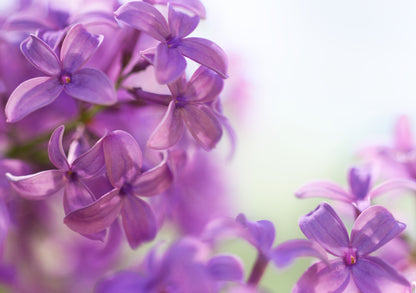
x=193, y=5
x=139, y=221
x=169, y=131
x=395, y=184
x=91, y=85
x=284, y=254
x=169, y=64
x=260, y=234
x=153, y=181
x=37, y=186
x=372, y=275
x=323, y=189
x=144, y=17
x=97, y=216
x=76, y=196
x=91, y=162
x=373, y=228
x=203, y=125
x=181, y=24
x=360, y=182
x=403, y=134
x=78, y=46
x=40, y=55
x=321, y=277
x=204, y=86
x=325, y=227
x=4, y=221
x=206, y=53
x=123, y=157
x=123, y=281
x=225, y=268
x=31, y=95
x=56, y=150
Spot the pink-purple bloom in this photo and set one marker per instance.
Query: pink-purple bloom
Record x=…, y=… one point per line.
x=62, y=74
x=168, y=55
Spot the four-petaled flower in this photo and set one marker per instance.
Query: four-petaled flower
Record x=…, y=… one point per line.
x=168, y=56
x=123, y=159
x=65, y=74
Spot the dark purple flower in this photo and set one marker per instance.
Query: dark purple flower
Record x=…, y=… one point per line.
x=123, y=159
x=188, y=106
x=70, y=174
x=168, y=56
x=360, y=191
x=353, y=266
x=65, y=74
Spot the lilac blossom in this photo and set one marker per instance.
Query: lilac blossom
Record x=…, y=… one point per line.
x=70, y=175
x=188, y=106
x=184, y=267
x=168, y=56
x=123, y=159
x=353, y=269
x=360, y=191
x=65, y=74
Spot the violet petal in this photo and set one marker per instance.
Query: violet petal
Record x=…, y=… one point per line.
x=260, y=234
x=225, y=268
x=76, y=196
x=360, y=182
x=321, y=277
x=206, y=53
x=123, y=281
x=40, y=55
x=37, y=186
x=56, y=150
x=91, y=85
x=181, y=24
x=97, y=216
x=373, y=228
x=395, y=184
x=285, y=253
x=144, y=17
x=325, y=227
x=323, y=189
x=372, y=275
x=123, y=157
x=139, y=221
x=204, y=86
x=169, y=131
x=31, y=95
x=203, y=125
x=91, y=162
x=403, y=135
x=78, y=46
x=169, y=64
x=153, y=181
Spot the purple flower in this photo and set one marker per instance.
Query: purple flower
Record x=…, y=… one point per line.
x=123, y=159
x=70, y=175
x=188, y=106
x=194, y=6
x=168, y=56
x=65, y=74
x=182, y=268
x=353, y=266
x=360, y=191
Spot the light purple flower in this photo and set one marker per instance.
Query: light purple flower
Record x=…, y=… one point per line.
x=353, y=265
x=182, y=268
x=194, y=6
x=360, y=191
x=70, y=175
x=64, y=74
x=123, y=159
x=189, y=107
x=168, y=56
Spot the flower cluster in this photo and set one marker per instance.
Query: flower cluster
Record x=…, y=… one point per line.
x=106, y=143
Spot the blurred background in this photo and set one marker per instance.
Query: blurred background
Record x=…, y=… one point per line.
x=311, y=83
x=321, y=80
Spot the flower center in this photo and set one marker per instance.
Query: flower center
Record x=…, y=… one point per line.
x=350, y=257
x=65, y=78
